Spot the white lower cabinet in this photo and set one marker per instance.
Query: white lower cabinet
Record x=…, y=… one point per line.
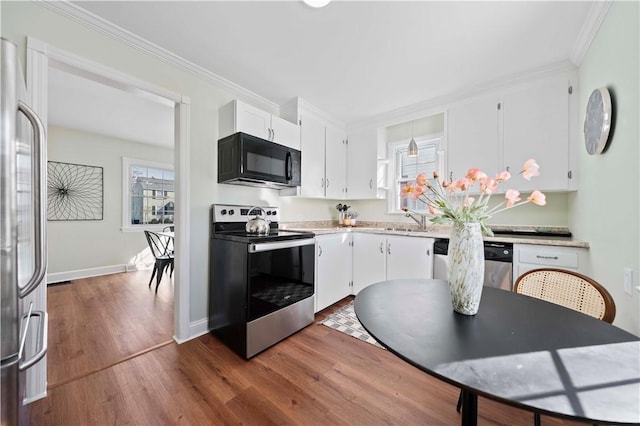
x=529, y=256
x=369, y=260
x=387, y=257
x=333, y=268
x=409, y=257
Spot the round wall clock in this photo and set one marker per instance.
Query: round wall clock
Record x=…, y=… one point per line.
x=597, y=121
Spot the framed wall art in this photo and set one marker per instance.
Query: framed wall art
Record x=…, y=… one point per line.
x=74, y=192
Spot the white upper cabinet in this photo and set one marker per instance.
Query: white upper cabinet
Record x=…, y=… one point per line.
x=252, y=120
x=472, y=137
x=284, y=132
x=238, y=116
x=362, y=161
x=536, y=125
x=312, y=135
x=324, y=153
x=335, y=163
x=507, y=127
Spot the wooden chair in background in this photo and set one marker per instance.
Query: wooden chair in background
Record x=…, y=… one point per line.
x=569, y=289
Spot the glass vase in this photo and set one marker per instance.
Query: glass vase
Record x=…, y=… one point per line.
x=466, y=267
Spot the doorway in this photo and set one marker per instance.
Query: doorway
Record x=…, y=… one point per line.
x=40, y=57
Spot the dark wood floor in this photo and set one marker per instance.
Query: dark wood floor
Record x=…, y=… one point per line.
x=96, y=322
x=318, y=376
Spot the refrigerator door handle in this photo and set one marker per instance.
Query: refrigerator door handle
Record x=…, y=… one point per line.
x=42, y=338
x=39, y=165
x=24, y=330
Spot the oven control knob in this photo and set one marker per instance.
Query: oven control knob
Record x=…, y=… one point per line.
x=223, y=212
x=231, y=212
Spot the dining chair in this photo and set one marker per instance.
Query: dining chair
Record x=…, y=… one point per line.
x=163, y=258
x=170, y=247
x=566, y=288
x=569, y=289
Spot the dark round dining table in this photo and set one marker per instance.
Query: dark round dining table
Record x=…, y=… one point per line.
x=518, y=350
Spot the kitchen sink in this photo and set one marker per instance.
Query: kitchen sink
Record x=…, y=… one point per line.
x=406, y=230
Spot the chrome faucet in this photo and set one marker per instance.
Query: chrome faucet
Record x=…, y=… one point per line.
x=420, y=219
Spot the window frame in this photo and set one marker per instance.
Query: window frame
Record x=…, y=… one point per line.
x=127, y=163
x=393, y=199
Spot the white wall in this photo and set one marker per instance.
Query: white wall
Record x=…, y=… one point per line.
x=605, y=210
x=80, y=245
x=553, y=214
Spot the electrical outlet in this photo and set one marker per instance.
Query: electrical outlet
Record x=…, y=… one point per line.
x=628, y=280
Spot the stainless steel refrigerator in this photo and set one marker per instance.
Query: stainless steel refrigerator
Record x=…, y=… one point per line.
x=23, y=240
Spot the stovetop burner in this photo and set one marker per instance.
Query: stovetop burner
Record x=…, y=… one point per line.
x=274, y=235
x=229, y=223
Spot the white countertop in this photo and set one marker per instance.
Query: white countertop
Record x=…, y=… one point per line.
x=442, y=233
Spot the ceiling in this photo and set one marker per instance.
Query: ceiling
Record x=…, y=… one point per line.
x=80, y=103
x=357, y=59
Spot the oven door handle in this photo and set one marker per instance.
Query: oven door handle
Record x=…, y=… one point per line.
x=256, y=248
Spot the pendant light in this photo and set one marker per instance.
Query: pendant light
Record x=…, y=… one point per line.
x=413, y=146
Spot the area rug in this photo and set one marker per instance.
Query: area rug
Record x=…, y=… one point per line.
x=345, y=321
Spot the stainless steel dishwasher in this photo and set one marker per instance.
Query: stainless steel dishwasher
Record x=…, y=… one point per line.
x=498, y=261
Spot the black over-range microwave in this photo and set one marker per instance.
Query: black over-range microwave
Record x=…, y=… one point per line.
x=248, y=160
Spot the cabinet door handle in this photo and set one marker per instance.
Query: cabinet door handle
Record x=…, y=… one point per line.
x=507, y=168
x=381, y=248
x=388, y=248
x=319, y=250
x=322, y=183
x=428, y=252
x=450, y=176
x=546, y=257
x=327, y=180
x=273, y=135
x=370, y=183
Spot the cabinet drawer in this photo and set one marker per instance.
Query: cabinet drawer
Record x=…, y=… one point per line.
x=551, y=257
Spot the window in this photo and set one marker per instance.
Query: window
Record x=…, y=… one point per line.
x=148, y=193
x=405, y=169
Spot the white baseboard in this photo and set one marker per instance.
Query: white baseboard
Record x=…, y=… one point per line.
x=86, y=273
x=34, y=398
x=196, y=329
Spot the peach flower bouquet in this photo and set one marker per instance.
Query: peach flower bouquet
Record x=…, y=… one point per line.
x=450, y=202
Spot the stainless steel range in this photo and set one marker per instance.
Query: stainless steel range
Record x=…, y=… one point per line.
x=261, y=278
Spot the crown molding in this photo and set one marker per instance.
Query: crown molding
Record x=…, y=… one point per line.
x=306, y=106
x=439, y=104
x=597, y=13
x=99, y=24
